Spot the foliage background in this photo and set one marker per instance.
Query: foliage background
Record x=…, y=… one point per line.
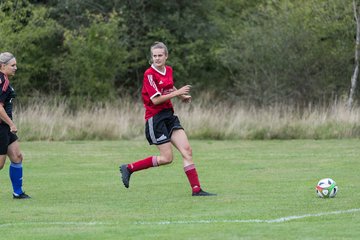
x=261, y=52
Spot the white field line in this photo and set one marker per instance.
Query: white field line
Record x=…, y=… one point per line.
x=276, y=220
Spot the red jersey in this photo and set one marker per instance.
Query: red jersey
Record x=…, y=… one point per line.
x=156, y=83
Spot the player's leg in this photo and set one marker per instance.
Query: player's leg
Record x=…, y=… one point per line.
x=2, y=161
x=4, y=142
x=16, y=170
x=166, y=154
x=181, y=142
x=165, y=157
x=156, y=133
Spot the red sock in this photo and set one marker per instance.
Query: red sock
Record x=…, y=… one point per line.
x=193, y=177
x=143, y=164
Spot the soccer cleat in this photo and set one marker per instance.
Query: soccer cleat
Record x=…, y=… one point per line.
x=125, y=175
x=21, y=196
x=203, y=193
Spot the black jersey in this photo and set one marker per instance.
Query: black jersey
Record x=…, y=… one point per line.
x=7, y=94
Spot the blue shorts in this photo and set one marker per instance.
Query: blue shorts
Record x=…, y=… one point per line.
x=6, y=138
x=158, y=129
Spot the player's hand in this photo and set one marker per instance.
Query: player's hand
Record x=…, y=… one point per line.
x=184, y=90
x=186, y=98
x=13, y=128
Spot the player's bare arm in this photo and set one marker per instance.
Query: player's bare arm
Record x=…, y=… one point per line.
x=4, y=117
x=185, y=90
x=186, y=98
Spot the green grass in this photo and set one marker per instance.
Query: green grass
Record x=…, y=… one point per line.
x=76, y=192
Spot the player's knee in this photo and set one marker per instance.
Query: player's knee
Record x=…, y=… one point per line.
x=18, y=158
x=168, y=159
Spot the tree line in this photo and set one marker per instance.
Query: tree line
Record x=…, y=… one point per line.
x=261, y=52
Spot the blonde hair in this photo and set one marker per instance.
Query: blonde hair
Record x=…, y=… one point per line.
x=159, y=45
x=5, y=57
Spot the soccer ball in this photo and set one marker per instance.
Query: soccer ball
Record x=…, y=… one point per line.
x=326, y=188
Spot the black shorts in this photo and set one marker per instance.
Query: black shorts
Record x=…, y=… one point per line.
x=158, y=129
x=6, y=138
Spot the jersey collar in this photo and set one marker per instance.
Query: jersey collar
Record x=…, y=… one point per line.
x=162, y=73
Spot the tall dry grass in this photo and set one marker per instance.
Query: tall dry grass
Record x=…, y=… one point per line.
x=43, y=121
x=125, y=120
x=276, y=122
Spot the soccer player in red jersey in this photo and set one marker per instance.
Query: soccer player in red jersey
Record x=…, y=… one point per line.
x=162, y=127
x=9, y=145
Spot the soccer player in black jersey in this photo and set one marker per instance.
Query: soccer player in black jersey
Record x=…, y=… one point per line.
x=9, y=145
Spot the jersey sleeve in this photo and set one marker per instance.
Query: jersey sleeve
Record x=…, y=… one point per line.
x=150, y=85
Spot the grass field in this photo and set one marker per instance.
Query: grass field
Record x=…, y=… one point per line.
x=265, y=191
